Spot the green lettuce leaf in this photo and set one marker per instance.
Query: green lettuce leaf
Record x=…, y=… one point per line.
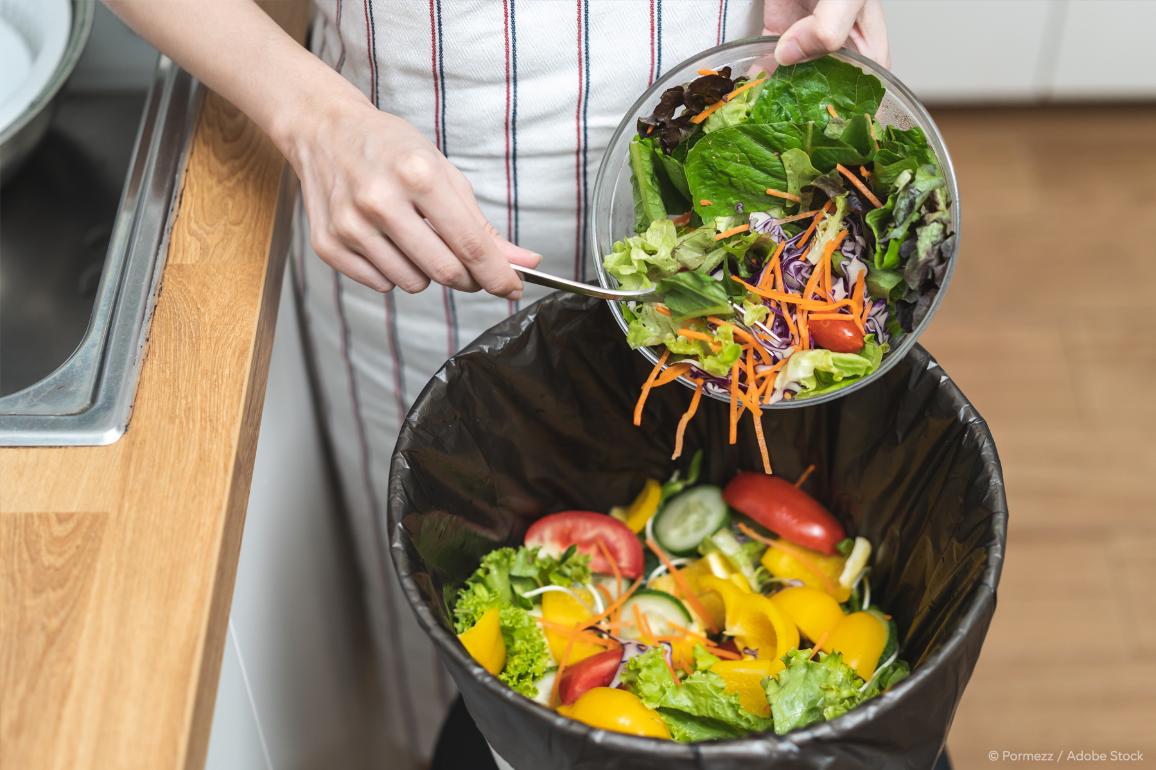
x=735, y=165
x=698, y=250
x=801, y=93
x=891, y=223
x=691, y=294
x=719, y=364
x=800, y=172
x=527, y=654
x=735, y=111
x=505, y=572
x=698, y=709
x=809, y=691
x=824, y=151
x=821, y=371
x=640, y=260
x=648, y=203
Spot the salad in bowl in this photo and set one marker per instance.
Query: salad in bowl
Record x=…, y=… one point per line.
x=797, y=241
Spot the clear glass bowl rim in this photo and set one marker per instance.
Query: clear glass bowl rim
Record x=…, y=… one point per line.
x=765, y=45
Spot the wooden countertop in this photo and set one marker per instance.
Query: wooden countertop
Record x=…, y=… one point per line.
x=117, y=563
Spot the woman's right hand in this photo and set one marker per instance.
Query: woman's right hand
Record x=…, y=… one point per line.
x=387, y=209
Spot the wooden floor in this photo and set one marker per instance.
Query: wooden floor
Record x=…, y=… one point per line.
x=1050, y=329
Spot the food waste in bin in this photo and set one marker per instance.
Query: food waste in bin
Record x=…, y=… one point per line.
x=695, y=613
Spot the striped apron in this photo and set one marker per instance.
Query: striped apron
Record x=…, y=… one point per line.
x=522, y=96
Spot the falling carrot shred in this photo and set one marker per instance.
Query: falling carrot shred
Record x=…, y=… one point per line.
x=732, y=231
x=671, y=373
x=859, y=185
x=806, y=474
x=757, y=417
x=831, y=110
x=685, y=420
x=647, y=386
x=781, y=194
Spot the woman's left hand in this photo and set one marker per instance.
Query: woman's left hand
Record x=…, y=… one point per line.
x=811, y=28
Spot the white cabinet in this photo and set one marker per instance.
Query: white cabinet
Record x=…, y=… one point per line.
x=296, y=686
x=969, y=50
x=1106, y=50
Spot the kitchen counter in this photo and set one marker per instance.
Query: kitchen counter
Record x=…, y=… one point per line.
x=117, y=562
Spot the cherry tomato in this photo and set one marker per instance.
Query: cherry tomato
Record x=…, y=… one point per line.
x=838, y=336
x=787, y=511
x=584, y=529
x=595, y=671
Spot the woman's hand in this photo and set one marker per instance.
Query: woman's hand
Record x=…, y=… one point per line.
x=811, y=28
x=387, y=209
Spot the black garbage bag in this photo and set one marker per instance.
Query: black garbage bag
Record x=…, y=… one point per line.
x=535, y=417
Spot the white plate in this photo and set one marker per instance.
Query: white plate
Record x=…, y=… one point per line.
x=33, y=37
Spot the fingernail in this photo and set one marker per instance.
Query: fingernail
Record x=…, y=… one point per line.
x=789, y=52
x=515, y=295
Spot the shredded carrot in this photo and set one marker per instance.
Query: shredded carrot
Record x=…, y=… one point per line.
x=708, y=111
x=781, y=194
x=744, y=87
x=796, y=217
x=640, y=624
x=707, y=72
x=815, y=222
x=864, y=172
x=813, y=281
x=743, y=335
x=663, y=309
x=614, y=605
x=561, y=670
x=685, y=420
x=857, y=294
x=771, y=270
x=577, y=634
x=794, y=299
x=806, y=474
x=688, y=632
x=722, y=652
x=691, y=334
x=859, y=185
x=681, y=219
x=734, y=410
x=831, y=110
x=866, y=311
x=795, y=553
x=670, y=374
x=819, y=645
x=602, y=549
x=680, y=581
x=757, y=417
x=647, y=386
x=732, y=231
x=705, y=202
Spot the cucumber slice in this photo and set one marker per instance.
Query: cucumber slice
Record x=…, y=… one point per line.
x=662, y=612
x=689, y=518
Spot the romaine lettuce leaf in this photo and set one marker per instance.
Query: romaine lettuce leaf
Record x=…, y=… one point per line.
x=693, y=295
x=731, y=169
x=648, y=203
x=698, y=709
x=821, y=371
x=801, y=93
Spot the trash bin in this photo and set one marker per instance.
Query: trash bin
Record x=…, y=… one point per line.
x=535, y=417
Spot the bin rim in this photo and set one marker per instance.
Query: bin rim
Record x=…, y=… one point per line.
x=981, y=602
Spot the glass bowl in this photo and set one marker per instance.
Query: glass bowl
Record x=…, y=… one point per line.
x=612, y=206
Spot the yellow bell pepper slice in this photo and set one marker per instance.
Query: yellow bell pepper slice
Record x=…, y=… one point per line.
x=644, y=506
x=609, y=708
x=814, y=611
x=728, y=591
x=745, y=679
x=562, y=609
x=483, y=641
x=812, y=568
x=860, y=637
x=756, y=623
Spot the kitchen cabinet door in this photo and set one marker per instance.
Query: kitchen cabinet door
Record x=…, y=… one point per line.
x=956, y=51
x=1106, y=50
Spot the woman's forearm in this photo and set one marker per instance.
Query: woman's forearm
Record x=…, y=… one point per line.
x=236, y=49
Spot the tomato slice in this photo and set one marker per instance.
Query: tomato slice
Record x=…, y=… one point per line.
x=787, y=511
x=838, y=336
x=584, y=529
x=595, y=671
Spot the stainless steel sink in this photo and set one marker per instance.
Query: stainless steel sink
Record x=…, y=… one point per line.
x=81, y=258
